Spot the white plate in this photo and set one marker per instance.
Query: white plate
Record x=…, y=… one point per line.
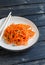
x=18, y=20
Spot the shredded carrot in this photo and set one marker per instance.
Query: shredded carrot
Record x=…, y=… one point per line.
x=18, y=34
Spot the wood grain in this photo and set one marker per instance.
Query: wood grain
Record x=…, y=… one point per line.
x=23, y=10
x=19, y=2
x=28, y=9
x=38, y=62
x=38, y=19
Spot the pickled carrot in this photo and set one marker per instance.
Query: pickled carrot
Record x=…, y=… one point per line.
x=18, y=34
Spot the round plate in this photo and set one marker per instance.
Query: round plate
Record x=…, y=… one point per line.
x=19, y=20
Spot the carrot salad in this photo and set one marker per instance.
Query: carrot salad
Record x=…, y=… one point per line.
x=18, y=34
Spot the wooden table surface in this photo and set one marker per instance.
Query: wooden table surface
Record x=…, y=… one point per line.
x=33, y=10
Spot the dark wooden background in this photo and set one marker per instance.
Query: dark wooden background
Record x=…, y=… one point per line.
x=33, y=10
